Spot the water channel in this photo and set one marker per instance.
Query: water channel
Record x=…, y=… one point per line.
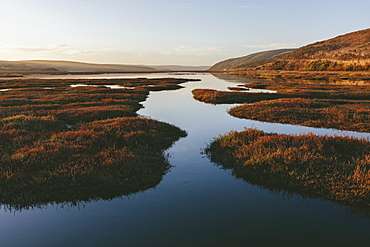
x=196, y=203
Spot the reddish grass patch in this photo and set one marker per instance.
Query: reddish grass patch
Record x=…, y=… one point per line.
x=71, y=144
x=333, y=168
x=307, y=112
x=223, y=97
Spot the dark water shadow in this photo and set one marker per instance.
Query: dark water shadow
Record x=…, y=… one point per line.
x=80, y=192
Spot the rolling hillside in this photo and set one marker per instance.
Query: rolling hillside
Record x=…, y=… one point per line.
x=246, y=60
x=50, y=66
x=348, y=52
x=47, y=66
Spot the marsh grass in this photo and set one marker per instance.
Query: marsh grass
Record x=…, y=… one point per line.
x=326, y=103
x=328, y=167
x=224, y=97
x=307, y=112
x=238, y=88
x=101, y=159
x=323, y=101
x=307, y=75
x=73, y=144
x=324, y=88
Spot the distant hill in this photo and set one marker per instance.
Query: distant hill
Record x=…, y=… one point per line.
x=15, y=67
x=246, y=60
x=65, y=66
x=348, y=52
x=51, y=66
x=87, y=67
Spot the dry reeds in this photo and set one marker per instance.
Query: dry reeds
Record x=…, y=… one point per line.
x=223, y=97
x=71, y=144
x=307, y=112
x=333, y=168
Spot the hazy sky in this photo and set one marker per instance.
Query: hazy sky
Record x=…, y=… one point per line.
x=189, y=32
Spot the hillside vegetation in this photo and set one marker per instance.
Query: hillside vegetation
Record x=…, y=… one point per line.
x=249, y=60
x=349, y=52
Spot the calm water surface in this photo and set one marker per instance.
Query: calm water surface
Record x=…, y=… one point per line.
x=197, y=203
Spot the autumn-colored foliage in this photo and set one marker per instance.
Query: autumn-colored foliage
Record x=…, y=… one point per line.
x=328, y=167
x=224, y=97
x=307, y=112
x=68, y=144
x=321, y=101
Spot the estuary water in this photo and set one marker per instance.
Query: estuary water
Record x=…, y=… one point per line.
x=196, y=203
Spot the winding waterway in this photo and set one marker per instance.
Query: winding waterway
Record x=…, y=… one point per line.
x=196, y=203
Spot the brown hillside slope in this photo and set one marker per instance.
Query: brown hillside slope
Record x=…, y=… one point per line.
x=348, y=52
x=248, y=60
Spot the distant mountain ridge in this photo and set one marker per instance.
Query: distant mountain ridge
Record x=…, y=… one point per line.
x=53, y=66
x=348, y=52
x=247, y=60
x=80, y=66
x=66, y=66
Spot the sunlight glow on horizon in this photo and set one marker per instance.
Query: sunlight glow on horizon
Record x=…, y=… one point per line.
x=180, y=32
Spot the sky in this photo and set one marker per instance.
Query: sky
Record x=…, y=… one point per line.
x=163, y=32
